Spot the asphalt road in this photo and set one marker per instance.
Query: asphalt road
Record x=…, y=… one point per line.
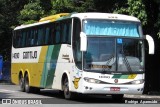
x=53, y=97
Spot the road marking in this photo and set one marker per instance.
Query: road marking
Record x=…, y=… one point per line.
x=4, y=90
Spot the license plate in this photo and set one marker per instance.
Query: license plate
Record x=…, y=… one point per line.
x=115, y=89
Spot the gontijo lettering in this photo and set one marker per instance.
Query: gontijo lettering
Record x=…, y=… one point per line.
x=30, y=55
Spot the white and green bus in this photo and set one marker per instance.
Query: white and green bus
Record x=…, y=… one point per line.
x=87, y=53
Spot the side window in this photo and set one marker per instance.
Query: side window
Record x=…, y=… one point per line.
x=69, y=28
x=35, y=37
x=40, y=36
x=52, y=34
x=23, y=38
x=19, y=39
x=27, y=38
x=47, y=35
x=16, y=38
x=57, y=33
x=32, y=37
x=64, y=32
x=76, y=42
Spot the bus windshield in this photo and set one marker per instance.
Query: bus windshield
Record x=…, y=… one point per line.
x=114, y=55
x=111, y=28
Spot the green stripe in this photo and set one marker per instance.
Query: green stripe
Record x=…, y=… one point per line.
x=119, y=76
x=50, y=66
x=124, y=76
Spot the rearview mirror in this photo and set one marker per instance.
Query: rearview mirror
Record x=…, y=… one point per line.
x=150, y=43
x=83, y=41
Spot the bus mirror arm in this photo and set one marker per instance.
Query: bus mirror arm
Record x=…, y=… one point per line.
x=83, y=41
x=151, y=44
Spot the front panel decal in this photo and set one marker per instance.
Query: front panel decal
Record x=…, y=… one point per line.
x=76, y=82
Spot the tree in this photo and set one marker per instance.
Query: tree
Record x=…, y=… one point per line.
x=36, y=9
x=134, y=8
x=108, y=6
x=158, y=17
x=31, y=12
x=60, y=6
x=9, y=10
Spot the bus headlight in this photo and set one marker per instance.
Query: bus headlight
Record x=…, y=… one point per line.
x=91, y=80
x=138, y=81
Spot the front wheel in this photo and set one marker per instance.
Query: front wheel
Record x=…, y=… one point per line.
x=67, y=94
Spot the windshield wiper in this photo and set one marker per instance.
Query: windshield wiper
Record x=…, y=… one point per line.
x=106, y=69
x=125, y=60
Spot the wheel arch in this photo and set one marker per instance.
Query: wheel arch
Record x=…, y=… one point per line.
x=21, y=72
x=65, y=74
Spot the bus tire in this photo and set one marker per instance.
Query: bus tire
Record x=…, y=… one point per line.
x=28, y=88
x=67, y=94
x=117, y=97
x=21, y=83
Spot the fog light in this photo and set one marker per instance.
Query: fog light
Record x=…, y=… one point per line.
x=86, y=88
x=90, y=88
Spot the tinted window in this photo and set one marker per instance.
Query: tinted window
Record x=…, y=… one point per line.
x=47, y=34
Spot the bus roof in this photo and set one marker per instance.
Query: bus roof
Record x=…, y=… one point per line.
x=89, y=15
x=54, y=17
x=109, y=16
x=45, y=20
x=31, y=25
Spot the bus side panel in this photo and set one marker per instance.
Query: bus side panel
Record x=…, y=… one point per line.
x=14, y=73
x=65, y=65
x=34, y=67
x=50, y=66
x=21, y=67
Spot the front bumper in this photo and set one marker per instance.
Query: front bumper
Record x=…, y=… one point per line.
x=91, y=88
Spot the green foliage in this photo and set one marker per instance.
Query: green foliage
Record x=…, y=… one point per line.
x=134, y=8
x=108, y=6
x=16, y=12
x=87, y=6
x=31, y=12
x=60, y=6
x=9, y=10
x=158, y=18
x=36, y=9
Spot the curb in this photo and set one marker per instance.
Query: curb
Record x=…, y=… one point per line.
x=5, y=82
x=142, y=96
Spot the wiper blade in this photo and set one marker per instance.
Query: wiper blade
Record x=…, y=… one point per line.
x=125, y=60
x=109, y=59
x=107, y=66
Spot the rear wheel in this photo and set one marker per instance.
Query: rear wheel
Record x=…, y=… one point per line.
x=28, y=89
x=21, y=83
